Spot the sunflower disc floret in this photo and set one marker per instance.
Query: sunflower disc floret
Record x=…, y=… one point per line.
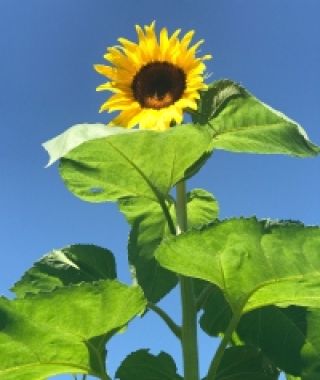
x=153, y=80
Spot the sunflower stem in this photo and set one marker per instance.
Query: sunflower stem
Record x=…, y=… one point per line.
x=189, y=310
x=214, y=366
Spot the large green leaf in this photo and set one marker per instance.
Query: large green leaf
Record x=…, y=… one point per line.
x=242, y=123
x=217, y=313
x=140, y=164
x=52, y=332
x=65, y=266
x=76, y=135
x=289, y=337
x=245, y=363
x=255, y=263
x=150, y=227
x=144, y=366
x=279, y=332
x=311, y=349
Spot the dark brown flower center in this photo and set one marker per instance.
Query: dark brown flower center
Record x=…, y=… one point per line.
x=158, y=85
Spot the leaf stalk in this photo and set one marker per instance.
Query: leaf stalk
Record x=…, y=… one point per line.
x=215, y=363
x=167, y=319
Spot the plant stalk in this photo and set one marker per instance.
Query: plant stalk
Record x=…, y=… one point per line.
x=166, y=318
x=189, y=310
x=214, y=366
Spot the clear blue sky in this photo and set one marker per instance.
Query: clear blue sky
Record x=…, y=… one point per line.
x=47, y=84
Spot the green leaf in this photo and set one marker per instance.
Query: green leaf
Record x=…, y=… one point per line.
x=52, y=333
x=217, y=313
x=136, y=164
x=144, y=366
x=150, y=227
x=290, y=377
x=202, y=208
x=310, y=351
x=289, y=337
x=280, y=333
x=76, y=135
x=245, y=363
x=69, y=265
x=255, y=263
x=242, y=123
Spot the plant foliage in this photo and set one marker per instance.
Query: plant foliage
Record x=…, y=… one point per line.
x=255, y=282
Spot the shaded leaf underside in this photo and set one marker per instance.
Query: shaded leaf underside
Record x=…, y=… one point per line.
x=144, y=366
x=150, y=227
x=65, y=266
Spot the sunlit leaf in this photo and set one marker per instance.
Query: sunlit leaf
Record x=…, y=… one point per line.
x=69, y=265
x=290, y=377
x=76, y=135
x=242, y=123
x=255, y=263
x=140, y=164
x=202, y=207
x=53, y=332
x=144, y=366
x=150, y=227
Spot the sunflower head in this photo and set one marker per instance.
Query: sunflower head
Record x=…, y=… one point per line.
x=152, y=80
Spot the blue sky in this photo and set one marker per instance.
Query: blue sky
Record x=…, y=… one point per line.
x=48, y=48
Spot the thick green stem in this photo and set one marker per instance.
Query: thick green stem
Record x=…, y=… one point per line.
x=189, y=310
x=214, y=366
x=203, y=296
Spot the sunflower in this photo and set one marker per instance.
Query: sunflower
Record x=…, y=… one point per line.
x=152, y=80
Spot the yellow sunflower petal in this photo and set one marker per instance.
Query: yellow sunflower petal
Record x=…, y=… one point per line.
x=140, y=33
x=148, y=118
x=133, y=69
x=108, y=86
x=149, y=32
x=119, y=102
x=187, y=103
x=187, y=39
x=163, y=44
x=206, y=57
x=128, y=45
x=124, y=119
x=107, y=71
